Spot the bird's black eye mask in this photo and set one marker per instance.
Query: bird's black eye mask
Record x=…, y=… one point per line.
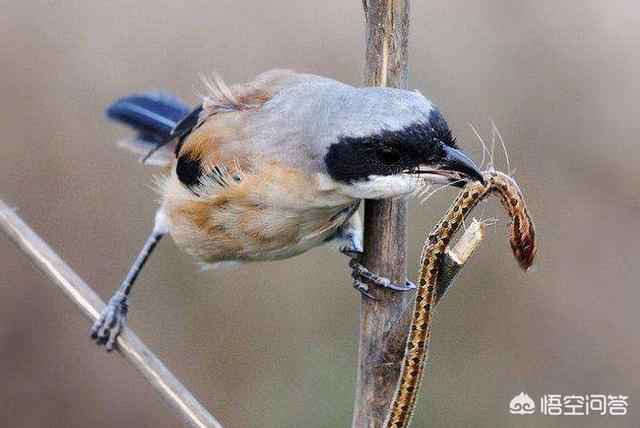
x=354, y=159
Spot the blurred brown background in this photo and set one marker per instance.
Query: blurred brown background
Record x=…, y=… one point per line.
x=276, y=344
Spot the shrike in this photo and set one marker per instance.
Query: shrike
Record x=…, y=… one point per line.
x=269, y=169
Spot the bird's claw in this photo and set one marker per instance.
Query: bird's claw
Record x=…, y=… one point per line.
x=363, y=289
x=362, y=275
x=112, y=321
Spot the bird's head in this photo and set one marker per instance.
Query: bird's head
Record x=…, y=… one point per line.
x=399, y=143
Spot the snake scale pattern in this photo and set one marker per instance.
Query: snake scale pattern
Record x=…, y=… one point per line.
x=522, y=239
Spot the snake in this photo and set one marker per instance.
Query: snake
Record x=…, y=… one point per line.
x=523, y=245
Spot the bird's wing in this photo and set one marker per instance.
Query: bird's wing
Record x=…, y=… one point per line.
x=211, y=146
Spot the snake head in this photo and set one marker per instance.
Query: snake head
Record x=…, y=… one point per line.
x=522, y=238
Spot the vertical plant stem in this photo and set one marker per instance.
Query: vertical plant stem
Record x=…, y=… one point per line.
x=383, y=330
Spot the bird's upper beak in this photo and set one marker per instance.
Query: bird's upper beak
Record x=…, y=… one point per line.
x=454, y=167
x=456, y=161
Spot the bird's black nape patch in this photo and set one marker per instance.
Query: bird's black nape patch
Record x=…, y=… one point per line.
x=354, y=159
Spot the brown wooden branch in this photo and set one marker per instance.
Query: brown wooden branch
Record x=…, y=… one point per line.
x=179, y=400
x=382, y=336
x=383, y=323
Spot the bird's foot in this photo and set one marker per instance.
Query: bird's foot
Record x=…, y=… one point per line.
x=108, y=327
x=363, y=276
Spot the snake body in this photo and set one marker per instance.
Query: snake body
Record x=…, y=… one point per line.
x=522, y=239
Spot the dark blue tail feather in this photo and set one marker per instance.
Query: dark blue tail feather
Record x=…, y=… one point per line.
x=152, y=114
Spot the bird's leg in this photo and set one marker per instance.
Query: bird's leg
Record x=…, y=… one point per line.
x=351, y=235
x=113, y=319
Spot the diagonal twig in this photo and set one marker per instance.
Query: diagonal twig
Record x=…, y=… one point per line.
x=178, y=398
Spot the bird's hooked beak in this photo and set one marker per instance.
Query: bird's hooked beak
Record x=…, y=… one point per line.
x=454, y=167
x=457, y=162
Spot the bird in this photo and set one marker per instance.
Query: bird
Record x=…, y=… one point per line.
x=271, y=168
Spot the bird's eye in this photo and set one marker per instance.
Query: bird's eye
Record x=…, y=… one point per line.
x=388, y=155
